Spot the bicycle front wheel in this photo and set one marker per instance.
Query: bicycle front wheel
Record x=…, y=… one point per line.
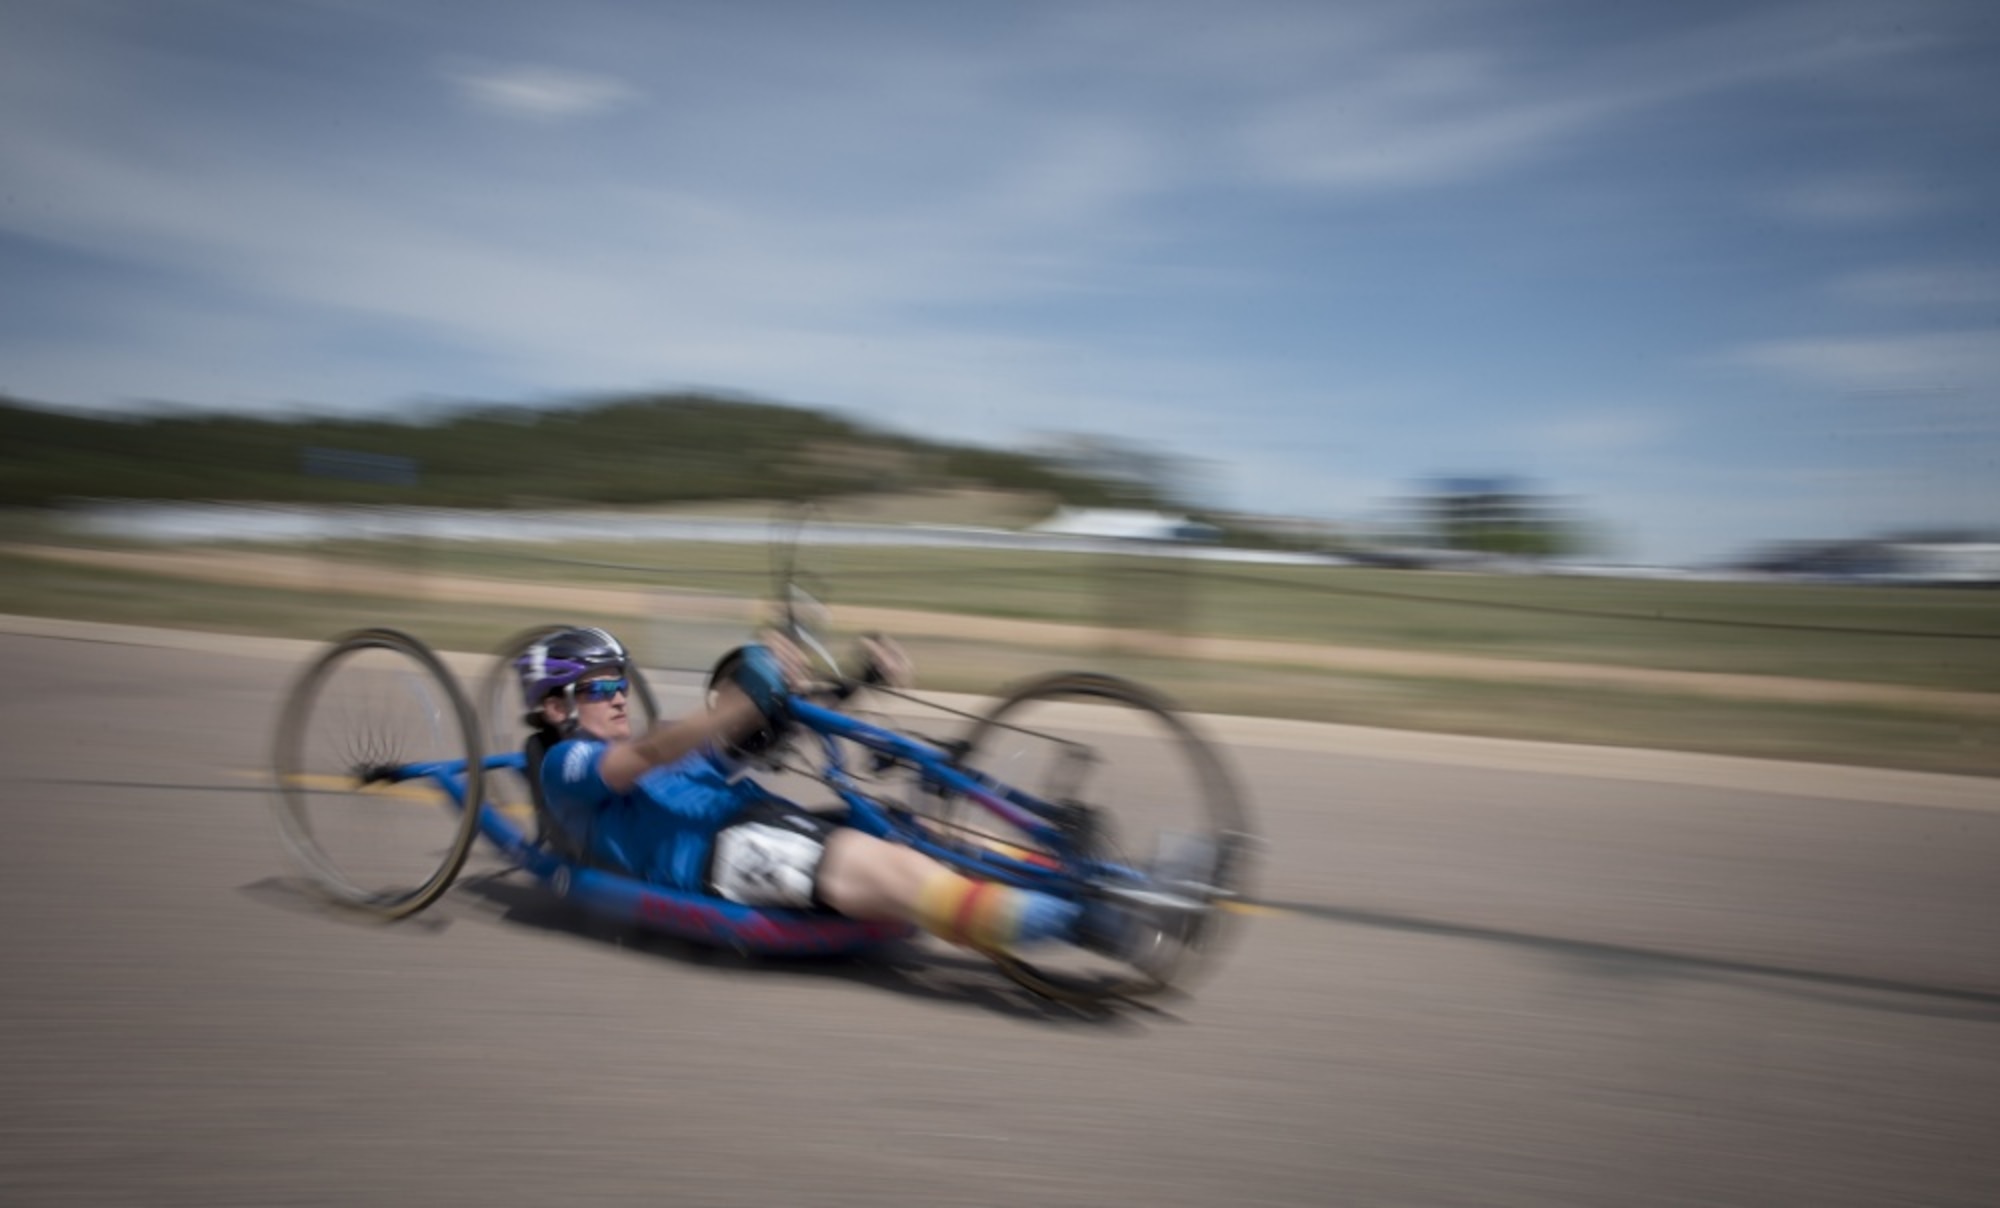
x=1138, y=791
x=366, y=832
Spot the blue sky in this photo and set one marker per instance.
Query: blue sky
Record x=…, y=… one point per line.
x=1720, y=273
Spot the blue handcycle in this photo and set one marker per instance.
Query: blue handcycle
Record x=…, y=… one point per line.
x=1073, y=784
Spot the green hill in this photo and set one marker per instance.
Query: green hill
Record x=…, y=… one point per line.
x=651, y=449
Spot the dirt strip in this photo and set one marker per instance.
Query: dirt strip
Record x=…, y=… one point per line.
x=301, y=573
x=1242, y=735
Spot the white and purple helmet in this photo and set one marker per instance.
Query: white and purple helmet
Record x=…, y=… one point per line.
x=564, y=656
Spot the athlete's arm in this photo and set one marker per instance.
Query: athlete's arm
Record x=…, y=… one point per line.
x=732, y=715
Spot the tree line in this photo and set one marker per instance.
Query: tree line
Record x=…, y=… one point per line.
x=628, y=450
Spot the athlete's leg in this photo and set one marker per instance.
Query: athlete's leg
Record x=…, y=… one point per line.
x=864, y=877
x=781, y=855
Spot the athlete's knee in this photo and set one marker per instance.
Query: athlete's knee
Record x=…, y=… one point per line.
x=866, y=876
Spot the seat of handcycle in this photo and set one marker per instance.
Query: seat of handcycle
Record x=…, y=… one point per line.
x=702, y=917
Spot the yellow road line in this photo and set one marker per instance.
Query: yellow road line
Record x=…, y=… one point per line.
x=1252, y=908
x=410, y=790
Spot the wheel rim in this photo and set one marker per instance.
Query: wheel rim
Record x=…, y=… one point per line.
x=1138, y=774
x=375, y=700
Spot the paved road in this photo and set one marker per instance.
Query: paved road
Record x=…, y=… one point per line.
x=1484, y=983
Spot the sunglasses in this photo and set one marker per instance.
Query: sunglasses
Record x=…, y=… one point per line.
x=601, y=689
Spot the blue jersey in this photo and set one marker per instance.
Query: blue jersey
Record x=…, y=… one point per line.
x=660, y=831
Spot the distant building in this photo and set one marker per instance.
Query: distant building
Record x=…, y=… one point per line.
x=1489, y=515
x=1128, y=524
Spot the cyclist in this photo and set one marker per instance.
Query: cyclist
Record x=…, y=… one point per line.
x=670, y=806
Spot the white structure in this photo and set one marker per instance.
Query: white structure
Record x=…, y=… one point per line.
x=1949, y=562
x=1125, y=524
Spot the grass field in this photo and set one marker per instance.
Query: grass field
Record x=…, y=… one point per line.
x=1933, y=639
x=1941, y=638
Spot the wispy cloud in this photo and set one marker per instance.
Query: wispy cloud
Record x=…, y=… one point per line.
x=1420, y=110
x=1424, y=120
x=1888, y=365
x=1857, y=200
x=539, y=92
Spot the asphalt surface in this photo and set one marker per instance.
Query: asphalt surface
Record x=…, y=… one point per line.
x=1487, y=974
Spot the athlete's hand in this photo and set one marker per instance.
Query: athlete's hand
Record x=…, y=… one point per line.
x=882, y=660
x=762, y=674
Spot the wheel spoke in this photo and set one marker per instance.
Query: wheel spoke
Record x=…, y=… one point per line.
x=1138, y=792
x=375, y=699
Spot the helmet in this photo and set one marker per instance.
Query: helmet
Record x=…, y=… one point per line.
x=561, y=657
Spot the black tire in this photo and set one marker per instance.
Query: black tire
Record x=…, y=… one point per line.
x=376, y=698
x=1145, y=774
x=503, y=724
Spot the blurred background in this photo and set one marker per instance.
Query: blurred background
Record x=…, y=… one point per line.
x=1465, y=604
x=1618, y=376
x=1646, y=340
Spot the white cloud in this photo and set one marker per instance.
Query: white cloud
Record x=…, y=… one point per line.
x=1920, y=363
x=541, y=93
x=1846, y=201
x=1413, y=110
x=1416, y=119
x=1341, y=145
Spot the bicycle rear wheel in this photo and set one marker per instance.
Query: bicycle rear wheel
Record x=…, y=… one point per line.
x=503, y=724
x=1140, y=791
x=367, y=837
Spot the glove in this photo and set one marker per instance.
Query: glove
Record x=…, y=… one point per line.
x=762, y=679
